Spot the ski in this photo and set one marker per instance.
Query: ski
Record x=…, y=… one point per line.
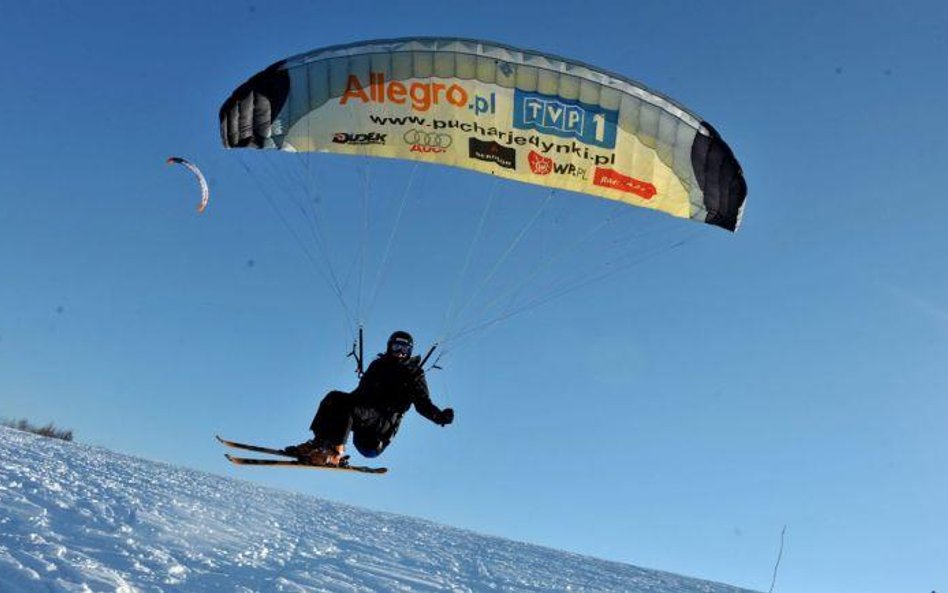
x=291, y=462
x=301, y=464
x=256, y=448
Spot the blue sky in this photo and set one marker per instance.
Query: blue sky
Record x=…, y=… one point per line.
x=675, y=415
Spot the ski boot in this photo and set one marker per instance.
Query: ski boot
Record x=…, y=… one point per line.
x=326, y=454
x=304, y=448
x=318, y=453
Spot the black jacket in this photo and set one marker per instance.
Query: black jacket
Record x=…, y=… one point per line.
x=391, y=386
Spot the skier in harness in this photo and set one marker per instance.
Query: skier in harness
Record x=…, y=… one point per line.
x=373, y=411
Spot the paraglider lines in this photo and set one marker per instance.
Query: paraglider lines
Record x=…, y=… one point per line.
x=328, y=278
x=510, y=249
x=383, y=267
x=449, y=313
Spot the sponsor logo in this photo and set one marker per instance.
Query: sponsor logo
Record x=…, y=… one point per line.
x=422, y=141
x=615, y=180
x=544, y=165
x=361, y=139
x=590, y=124
x=539, y=164
x=492, y=152
x=420, y=96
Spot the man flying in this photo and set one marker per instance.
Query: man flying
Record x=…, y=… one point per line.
x=373, y=411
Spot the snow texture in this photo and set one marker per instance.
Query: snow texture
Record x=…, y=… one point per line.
x=81, y=519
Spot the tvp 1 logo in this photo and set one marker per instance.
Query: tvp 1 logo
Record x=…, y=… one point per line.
x=590, y=124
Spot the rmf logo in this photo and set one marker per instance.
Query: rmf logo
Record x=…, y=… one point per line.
x=544, y=165
x=539, y=164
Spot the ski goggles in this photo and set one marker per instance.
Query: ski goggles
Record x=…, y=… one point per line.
x=400, y=347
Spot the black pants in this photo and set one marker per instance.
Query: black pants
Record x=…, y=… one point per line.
x=340, y=414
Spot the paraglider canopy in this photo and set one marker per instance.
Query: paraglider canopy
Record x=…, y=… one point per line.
x=496, y=109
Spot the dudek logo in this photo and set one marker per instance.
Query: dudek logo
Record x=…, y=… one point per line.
x=493, y=153
x=421, y=96
x=422, y=141
x=347, y=138
x=544, y=165
x=590, y=124
x=630, y=185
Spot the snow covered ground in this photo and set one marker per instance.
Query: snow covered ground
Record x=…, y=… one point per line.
x=83, y=519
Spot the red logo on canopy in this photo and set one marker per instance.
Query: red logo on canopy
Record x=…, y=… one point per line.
x=539, y=164
x=631, y=185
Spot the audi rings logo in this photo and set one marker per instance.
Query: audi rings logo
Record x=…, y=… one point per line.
x=422, y=141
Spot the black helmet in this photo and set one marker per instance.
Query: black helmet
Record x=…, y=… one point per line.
x=400, y=343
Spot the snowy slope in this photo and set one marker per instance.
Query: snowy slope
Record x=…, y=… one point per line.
x=80, y=519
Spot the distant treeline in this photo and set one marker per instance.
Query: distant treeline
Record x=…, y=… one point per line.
x=47, y=431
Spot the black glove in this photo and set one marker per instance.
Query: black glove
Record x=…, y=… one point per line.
x=445, y=417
